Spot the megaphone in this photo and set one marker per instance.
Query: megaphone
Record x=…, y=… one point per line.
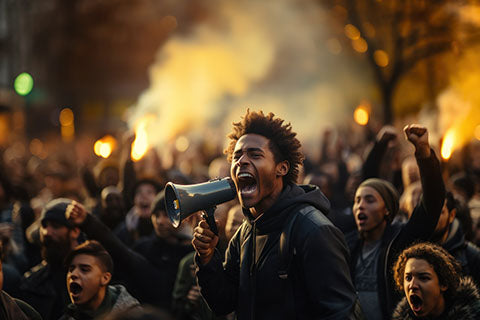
x=183, y=200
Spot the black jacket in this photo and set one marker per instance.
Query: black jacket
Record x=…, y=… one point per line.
x=465, y=305
x=466, y=253
x=165, y=257
x=15, y=309
x=318, y=284
x=45, y=289
x=397, y=237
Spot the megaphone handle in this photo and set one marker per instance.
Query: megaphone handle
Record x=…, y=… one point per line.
x=210, y=218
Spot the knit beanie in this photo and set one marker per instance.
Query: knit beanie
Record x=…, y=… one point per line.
x=388, y=193
x=55, y=211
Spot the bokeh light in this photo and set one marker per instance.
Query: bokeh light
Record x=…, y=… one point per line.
x=381, y=58
x=105, y=146
x=360, y=45
x=36, y=147
x=361, y=115
x=352, y=32
x=66, y=117
x=23, y=84
x=182, y=143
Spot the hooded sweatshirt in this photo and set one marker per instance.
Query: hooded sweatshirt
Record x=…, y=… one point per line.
x=116, y=298
x=249, y=283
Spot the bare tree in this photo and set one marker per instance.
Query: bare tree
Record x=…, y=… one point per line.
x=395, y=35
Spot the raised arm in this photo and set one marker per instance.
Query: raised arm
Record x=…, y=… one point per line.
x=425, y=216
x=385, y=137
x=138, y=274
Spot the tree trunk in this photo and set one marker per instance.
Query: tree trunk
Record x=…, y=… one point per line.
x=387, y=95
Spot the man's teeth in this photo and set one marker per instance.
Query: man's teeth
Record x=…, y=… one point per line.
x=245, y=175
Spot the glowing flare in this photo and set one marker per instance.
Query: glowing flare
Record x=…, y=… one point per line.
x=104, y=146
x=477, y=132
x=140, y=145
x=361, y=115
x=448, y=144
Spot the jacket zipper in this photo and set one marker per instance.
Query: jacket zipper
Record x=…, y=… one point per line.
x=253, y=272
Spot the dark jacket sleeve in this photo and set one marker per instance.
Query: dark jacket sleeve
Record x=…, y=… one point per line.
x=373, y=160
x=140, y=276
x=323, y=251
x=425, y=216
x=90, y=183
x=219, y=283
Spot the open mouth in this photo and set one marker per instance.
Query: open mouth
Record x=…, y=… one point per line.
x=416, y=303
x=75, y=288
x=362, y=217
x=246, y=183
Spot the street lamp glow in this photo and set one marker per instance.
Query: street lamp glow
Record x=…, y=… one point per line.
x=361, y=115
x=23, y=84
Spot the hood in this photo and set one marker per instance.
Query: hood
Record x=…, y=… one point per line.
x=124, y=300
x=292, y=196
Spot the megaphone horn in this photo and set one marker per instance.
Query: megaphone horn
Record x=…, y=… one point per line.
x=183, y=200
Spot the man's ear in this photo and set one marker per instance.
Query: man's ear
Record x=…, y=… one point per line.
x=105, y=280
x=451, y=215
x=74, y=233
x=282, y=168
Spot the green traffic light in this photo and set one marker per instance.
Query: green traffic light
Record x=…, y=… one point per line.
x=23, y=84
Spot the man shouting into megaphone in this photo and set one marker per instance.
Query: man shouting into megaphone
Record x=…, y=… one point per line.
x=287, y=260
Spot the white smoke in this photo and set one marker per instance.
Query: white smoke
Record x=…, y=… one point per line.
x=268, y=55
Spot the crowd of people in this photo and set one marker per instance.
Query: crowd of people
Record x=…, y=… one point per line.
x=372, y=228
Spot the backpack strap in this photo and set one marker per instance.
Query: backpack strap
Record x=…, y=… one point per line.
x=286, y=250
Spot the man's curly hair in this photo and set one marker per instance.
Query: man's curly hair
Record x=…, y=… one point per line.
x=445, y=266
x=283, y=142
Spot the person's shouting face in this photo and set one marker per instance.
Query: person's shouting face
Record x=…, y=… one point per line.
x=257, y=175
x=87, y=280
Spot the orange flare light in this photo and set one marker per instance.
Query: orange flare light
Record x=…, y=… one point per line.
x=104, y=146
x=448, y=144
x=140, y=144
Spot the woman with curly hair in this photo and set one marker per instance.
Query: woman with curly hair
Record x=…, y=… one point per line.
x=430, y=279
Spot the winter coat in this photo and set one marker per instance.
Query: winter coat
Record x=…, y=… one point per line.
x=45, y=289
x=184, y=308
x=318, y=284
x=465, y=305
x=397, y=237
x=117, y=299
x=15, y=309
x=466, y=253
x=165, y=256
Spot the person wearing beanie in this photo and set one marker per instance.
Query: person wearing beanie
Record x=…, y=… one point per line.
x=378, y=240
x=43, y=287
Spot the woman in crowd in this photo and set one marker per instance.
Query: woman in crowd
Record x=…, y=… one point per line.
x=433, y=287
